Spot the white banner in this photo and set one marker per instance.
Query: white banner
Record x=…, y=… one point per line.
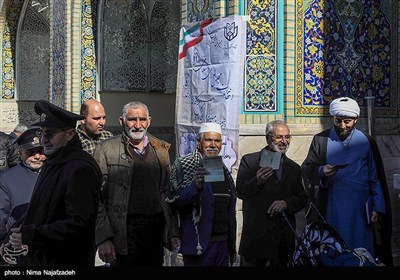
x=211, y=82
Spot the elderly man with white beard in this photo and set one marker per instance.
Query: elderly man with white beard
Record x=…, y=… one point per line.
x=269, y=183
x=17, y=183
x=133, y=216
x=206, y=203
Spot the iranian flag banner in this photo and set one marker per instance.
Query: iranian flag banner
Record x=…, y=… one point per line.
x=210, y=82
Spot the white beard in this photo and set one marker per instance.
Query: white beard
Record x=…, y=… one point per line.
x=275, y=148
x=136, y=135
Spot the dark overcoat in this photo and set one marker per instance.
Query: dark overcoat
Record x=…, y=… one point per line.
x=59, y=226
x=264, y=236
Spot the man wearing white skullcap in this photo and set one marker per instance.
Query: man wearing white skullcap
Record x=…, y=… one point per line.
x=206, y=208
x=346, y=165
x=210, y=127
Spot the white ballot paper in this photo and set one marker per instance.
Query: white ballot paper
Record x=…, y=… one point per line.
x=271, y=159
x=215, y=169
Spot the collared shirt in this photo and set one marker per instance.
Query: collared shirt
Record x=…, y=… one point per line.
x=137, y=150
x=89, y=144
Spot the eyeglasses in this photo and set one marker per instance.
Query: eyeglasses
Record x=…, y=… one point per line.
x=281, y=137
x=49, y=134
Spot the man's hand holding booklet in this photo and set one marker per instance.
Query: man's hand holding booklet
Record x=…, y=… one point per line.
x=215, y=168
x=271, y=159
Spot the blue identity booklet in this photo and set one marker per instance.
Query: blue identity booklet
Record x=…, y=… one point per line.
x=271, y=159
x=214, y=166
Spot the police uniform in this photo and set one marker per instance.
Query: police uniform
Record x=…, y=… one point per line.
x=16, y=184
x=59, y=225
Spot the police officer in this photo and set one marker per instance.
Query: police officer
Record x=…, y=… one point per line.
x=59, y=225
x=16, y=183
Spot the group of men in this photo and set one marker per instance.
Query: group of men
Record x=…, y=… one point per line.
x=121, y=194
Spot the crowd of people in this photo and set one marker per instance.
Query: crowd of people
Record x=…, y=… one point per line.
x=69, y=188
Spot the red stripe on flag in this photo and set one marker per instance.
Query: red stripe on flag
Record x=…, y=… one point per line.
x=203, y=24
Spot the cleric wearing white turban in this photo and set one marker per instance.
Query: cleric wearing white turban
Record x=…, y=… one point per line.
x=344, y=107
x=343, y=171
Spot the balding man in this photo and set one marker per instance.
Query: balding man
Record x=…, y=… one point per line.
x=91, y=130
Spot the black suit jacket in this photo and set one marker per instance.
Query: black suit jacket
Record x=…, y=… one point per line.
x=264, y=236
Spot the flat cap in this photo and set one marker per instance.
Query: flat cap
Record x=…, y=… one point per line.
x=53, y=116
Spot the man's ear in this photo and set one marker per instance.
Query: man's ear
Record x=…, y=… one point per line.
x=71, y=134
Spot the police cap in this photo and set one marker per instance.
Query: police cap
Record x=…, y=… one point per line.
x=53, y=116
x=29, y=139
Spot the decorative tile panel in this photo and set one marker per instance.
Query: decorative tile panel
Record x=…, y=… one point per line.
x=140, y=56
x=59, y=49
x=260, y=87
x=8, y=54
x=260, y=84
x=33, y=63
x=88, y=37
x=198, y=10
x=345, y=48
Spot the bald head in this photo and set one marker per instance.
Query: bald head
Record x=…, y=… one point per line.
x=90, y=103
x=95, y=118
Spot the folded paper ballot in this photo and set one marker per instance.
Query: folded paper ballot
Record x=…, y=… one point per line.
x=215, y=168
x=271, y=159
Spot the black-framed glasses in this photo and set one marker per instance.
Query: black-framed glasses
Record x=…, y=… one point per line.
x=49, y=134
x=281, y=137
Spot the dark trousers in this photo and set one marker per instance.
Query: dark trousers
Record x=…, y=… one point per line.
x=250, y=261
x=145, y=241
x=280, y=258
